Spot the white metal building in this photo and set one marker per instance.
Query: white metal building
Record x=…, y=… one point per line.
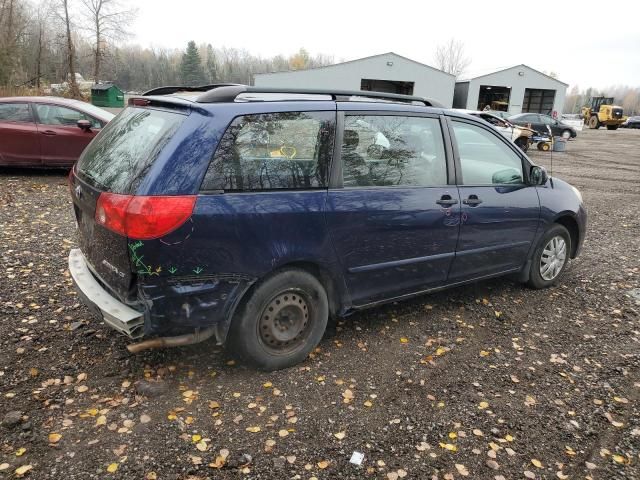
x=387, y=72
x=517, y=89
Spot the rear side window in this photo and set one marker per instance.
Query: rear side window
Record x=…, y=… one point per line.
x=289, y=150
x=385, y=150
x=15, y=112
x=484, y=158
x=127, y=147
x=63, y=116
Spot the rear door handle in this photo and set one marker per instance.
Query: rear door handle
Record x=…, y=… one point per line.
x=49, y=132
x=446, y=201
x=472, y=201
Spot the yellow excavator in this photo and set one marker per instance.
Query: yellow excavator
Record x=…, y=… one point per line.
x=602, y=112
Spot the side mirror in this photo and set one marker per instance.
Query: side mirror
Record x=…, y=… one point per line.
x=538, y=175
x=84, y=125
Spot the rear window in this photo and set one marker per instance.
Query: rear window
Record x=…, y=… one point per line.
x=127, y=147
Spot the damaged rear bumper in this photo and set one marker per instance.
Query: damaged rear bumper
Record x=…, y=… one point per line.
x=116, y=314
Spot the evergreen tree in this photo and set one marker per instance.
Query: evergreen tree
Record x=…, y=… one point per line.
x=191, y=67
x=211, y=67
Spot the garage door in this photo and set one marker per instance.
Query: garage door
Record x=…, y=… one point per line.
x=538, y=101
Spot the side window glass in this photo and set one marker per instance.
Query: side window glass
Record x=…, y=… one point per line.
x=484, y=158
x=15, y=112
x=390, y=150
x=62, y=116
x=289, y=150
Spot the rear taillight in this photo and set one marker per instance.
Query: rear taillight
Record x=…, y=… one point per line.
x=143, y=218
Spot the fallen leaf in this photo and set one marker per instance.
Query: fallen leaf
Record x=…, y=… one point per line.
x=20, y=471
x=112, y=467
x=54, y=437
x=536, y=462
x=283, y=433
x=449, y=446
x=404, y=340
x=340, y=435
x=255, y=429
x=462, y=470
x=483, y=405
x=323, y=464
x=202, y=446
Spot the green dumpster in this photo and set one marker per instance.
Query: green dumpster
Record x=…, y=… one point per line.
x=107, y=95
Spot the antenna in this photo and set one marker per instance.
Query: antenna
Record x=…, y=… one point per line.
x=551, y=151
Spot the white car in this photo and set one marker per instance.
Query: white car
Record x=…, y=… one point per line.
x=519, y=135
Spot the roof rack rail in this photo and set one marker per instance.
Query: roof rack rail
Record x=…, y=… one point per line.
x=229, y=93
x=184, y=88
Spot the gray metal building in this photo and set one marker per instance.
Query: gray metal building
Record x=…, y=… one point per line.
x=387, y=72
x=516, y=89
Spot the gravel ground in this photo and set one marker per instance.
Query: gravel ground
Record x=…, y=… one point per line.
x=489, y=381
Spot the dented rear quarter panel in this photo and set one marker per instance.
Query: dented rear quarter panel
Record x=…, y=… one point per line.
x=191, y=277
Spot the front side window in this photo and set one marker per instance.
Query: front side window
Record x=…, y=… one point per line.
x=15, y=112
x=484, y=158
x=62, y=116
x=386, y=150
x=289, y=150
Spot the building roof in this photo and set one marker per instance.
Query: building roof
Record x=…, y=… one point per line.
x=358, y=60
x=465, y=80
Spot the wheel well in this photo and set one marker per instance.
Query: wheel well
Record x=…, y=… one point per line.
x=334, y=293
x=572, y=226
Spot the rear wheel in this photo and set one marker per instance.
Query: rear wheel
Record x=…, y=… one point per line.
x=594, y=123
x=550, y=257
x=566, y=134
x=612, y=127
x=282, y=321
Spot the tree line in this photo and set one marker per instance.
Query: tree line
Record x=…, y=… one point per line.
x=625, y=96
x=52, y=41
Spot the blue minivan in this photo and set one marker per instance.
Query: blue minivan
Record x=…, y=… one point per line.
x=252, y=215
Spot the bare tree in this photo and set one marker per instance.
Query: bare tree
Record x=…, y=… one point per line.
x=450, y=57
x=62, y=11
x=108, y=21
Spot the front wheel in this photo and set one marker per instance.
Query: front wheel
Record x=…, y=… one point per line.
x=594, y=123
x=282, y=321
x=550, y=257
x=566, y=134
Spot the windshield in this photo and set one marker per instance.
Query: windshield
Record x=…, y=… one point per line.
x=127, y=147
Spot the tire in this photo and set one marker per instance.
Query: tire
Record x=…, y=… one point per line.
x=281, y=322
x=566, y=134
x=612, y=127
x=522, y=143
x=544, y=146
x=540, y=275
x=594, y=123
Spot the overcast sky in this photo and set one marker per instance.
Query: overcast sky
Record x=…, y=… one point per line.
x=586, y=43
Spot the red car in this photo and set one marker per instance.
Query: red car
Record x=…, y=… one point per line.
x=46, y=131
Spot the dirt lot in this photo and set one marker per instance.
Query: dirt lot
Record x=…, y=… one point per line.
x=490, y=381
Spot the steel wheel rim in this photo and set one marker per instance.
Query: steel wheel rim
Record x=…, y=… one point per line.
x=284, y=323
x=566, y=134
x=553, y=258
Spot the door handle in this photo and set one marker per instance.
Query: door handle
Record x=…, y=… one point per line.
x=472, y=201
x=446, y=201
x=49, y=132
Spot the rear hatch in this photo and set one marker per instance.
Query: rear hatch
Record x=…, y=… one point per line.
x=115, y=163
